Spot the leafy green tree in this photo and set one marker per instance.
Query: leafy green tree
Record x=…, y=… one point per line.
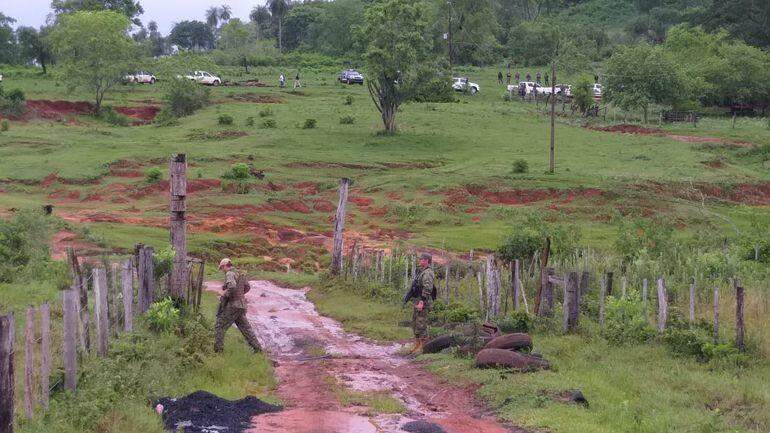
x=260, y=17
x=396, y=47
x=300, y=24
x=582, y=94
x=94, y=50
x=639, y=75
x=471, y=27
x=278, y=9
x=235, y=34
x=746, y=19
x=34, y=46
x=8, y=46
x=521, y=244
x=191, y=35
x=130, y=8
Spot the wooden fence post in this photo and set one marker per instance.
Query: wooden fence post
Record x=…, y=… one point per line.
x=7, y=382
x=82, y=288
x=609, y=283
x=692, y=300
x=112, y=300
x=146, y=279
x=585, y=279
x=100, y=310
x=29, y=363
x=716, y=313
x=662, y=305
x=178, y=224
x=546, y=304
x=516, y=285
x=571, y=302
x=127, y=282
x=339, y=227
x=740, y=331
x=645, y=295
x=602, y=296
x=624, y=286
x=45, y=354
x=69, y=346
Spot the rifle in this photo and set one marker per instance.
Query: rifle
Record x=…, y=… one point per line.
x=414, y=291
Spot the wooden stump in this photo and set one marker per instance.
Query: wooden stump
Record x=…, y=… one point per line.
x=339, y=227
x=69, y=344
x=7, y=383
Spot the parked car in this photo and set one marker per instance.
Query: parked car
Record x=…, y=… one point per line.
x=461, y=84
x=351, y=76
x=564, y=90
x=141, y=77
x=597, y=89
x=204, y=77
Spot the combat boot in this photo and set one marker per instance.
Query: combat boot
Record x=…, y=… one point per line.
x=415, y=347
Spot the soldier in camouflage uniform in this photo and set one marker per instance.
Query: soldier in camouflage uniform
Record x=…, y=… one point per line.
x=232, y=309
x=423, y=302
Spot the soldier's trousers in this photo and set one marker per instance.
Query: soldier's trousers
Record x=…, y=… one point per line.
x=420, y=322
x=226, y=318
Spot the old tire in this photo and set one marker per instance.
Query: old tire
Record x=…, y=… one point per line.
x=491, y=358
x=516, y=341
x=440, y=343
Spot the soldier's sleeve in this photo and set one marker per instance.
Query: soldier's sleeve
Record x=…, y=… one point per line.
x=426, y=284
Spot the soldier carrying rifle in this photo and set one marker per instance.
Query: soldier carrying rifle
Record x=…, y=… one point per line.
x=422, y=293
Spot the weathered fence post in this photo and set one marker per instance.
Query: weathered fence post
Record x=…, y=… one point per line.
x=29, y=363
x=645, y=295
x=662, y=305
x=7, y=383
x=740, y=331
x=100, y=310
x=570, y=302
x=446, y=281
x=585, y=279
x=82, y=288
x=45, y=354
x=602, y=295
x=146, y=272
x=112, y=300
x=127, y=282
x=609, y=283
x=339, y=227
x=716, y=313
x=178, y=224
x=692, y=300
x=546, y=304
x=69, y=346
x=516, y=285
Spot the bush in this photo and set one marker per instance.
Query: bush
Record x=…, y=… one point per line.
x=437, y=89
x=153, y=175
x=163, y=316
x=520, y=166
x=347, y=120
x=268, y=124
x=109, y=115
x=24, y=245
x=237, y=171
x=267, y=112
x=626, y=322
x=4, y=125
x=518, y=321
x=250, y=121
x=520, y=244
x=12, y=103
x=165, y=117
x=453, y=313
x=225, y=119
x=348, y=100
x=183, y=97
x=309, y=124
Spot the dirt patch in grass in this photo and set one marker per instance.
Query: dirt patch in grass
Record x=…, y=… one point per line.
x=323, y=206
x=67, y=110
x=481, y=197
x=256, y=98
x=63, y=239
x=162, y=187
x=361, y=201
x=144, y=114
x=215, y=135
x=625, y=128
x=320, y=164
x=54, y=178
x=641, y=130
x=417, y=165
x=203, y=412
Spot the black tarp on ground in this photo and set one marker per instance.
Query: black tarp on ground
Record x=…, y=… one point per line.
x=422, y=427
x=203, y=412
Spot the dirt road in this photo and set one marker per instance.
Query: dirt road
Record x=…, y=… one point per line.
x=317, y=363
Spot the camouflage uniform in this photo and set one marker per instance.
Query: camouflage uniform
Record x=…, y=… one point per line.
x=232, y=309
x=420, y=318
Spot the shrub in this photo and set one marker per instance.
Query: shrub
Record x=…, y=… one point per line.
x=237, y=171
x=12, y=103
x=268, y=124
x=347, y=120
x=267, y=112
x=348, y=100
x=225, y=119
x=163, y=316
x=437, y=89
x=165, y=117
x=24, y=244
x=109, y=115
x=626, y=322
x=518, y=321
x=453, y=313
x=520, y=244
x=163, y=261
x=520, y=166
x=250, y=121
x=309, y=124
x=153, y=175
x=4, y=125
x=183, y=97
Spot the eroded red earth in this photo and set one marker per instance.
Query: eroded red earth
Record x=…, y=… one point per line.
x=68, y=110
x=316, y=361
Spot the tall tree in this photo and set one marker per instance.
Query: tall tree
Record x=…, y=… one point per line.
x=93, y=50
x=225, y=13
x=260, y=17
x=278, y=9
x=130, y=8
x=746, y=19
x=192, y=35
x=471, y=27
x=396, y=47
x=8, y=45
x=212, y=17
x=34, y=46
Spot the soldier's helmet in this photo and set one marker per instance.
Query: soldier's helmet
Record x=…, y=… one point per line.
x=224, y=262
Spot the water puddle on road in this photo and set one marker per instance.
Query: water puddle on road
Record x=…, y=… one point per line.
x=317, y=361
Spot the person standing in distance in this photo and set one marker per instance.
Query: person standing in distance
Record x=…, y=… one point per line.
x=232, y=308
x=423, y=302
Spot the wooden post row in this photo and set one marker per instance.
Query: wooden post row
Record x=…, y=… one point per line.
x=662, y=305
x=178, y=224
x=339, y=227
x=7, y=383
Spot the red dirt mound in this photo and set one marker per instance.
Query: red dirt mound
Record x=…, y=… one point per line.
x=361, y=201
x=65, y=110
x=195, y=185
x=323, y=206
x=144, y=113
x=628, y=129
x=515, y=196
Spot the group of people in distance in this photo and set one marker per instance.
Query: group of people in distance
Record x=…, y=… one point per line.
x=517, y=77
x=232, y=304
x=282, y=81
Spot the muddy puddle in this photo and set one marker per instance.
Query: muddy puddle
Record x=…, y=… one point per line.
x=319, y=365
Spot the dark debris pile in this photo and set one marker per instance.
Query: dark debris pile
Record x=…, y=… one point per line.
x=203, y=412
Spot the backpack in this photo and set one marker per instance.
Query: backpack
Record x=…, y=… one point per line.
x=242, y=283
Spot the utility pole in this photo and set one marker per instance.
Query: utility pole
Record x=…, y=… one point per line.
x=449, y=34
x=553, y=112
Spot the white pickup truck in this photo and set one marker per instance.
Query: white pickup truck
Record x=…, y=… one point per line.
x=461, y=84
x=204, y=77
x=141, y=77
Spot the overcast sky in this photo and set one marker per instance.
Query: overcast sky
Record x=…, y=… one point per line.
x=164, y=12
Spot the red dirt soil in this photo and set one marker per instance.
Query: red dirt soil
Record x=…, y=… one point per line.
x=460, y=196
x=641, y=130
x=66, y=110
